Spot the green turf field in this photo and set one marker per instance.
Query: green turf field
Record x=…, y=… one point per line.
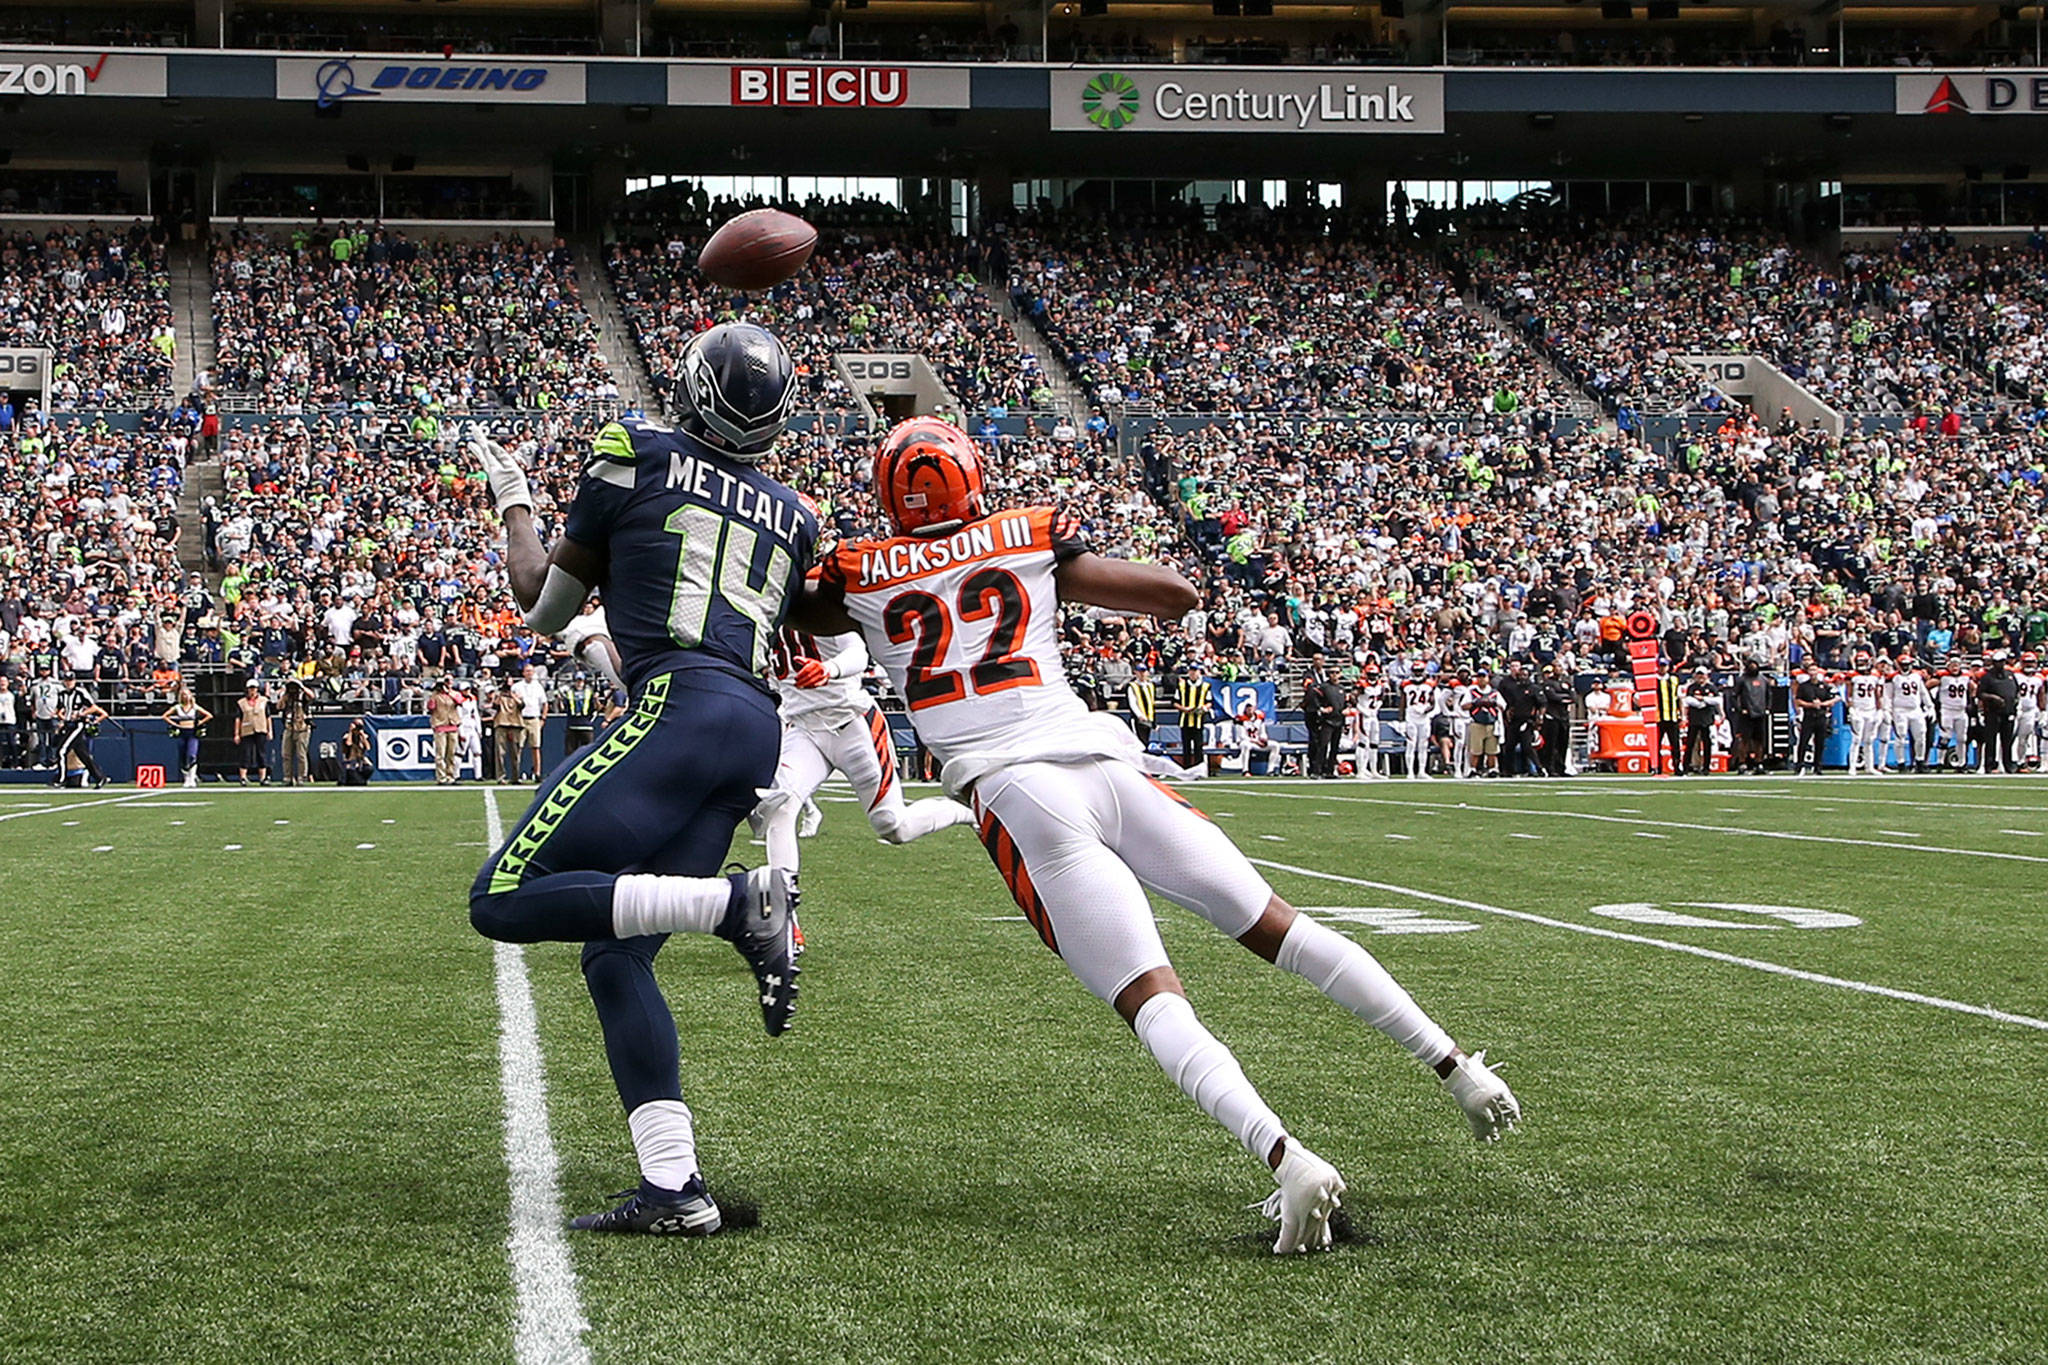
x=255, y=1111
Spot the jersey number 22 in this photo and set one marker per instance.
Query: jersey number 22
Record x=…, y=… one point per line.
x=921, y=620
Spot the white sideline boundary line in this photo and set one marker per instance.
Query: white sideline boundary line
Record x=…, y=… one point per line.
x=1645, y=820
x=548, y=1324
x=1711, y=954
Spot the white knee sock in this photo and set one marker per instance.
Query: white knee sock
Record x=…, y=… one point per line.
x=1207, y=1072
x=778, y=814
x=665, y=1141
x=1354, y=978
x=643, y=903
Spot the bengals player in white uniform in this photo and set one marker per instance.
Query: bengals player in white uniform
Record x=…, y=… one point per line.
x=1866, y=689
x=2026, y=744
x=830, y=722
x=1910, y=704
x=1952, y=696
x=961, y=607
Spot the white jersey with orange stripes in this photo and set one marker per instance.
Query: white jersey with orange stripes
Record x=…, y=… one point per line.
x=1865, y=691
x=967, y=627
x=830, y=704
x=1954, y=695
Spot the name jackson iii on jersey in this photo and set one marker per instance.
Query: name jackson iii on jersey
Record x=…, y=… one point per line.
x=967, y=627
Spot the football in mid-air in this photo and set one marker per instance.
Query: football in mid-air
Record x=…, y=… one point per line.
x=757, y=250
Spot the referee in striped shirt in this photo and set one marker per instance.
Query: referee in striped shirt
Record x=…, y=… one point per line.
x=1192, y=696
x=1670, y=718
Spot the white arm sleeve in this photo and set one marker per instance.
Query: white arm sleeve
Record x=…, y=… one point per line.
x=561, y=597
x=850, y=662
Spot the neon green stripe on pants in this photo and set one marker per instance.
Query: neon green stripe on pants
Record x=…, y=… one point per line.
x=547, y=818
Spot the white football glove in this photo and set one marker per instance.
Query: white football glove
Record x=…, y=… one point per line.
x=509, y=487
x=584, y=628
x=586, y=640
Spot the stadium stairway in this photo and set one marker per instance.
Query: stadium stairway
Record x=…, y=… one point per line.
x=1583, y=404
x=614, y=337
x=1067, y=396
x=191, y=312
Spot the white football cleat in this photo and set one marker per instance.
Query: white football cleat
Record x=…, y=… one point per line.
x=1307, y=1196
x=1489, y=1105
x=807, y=823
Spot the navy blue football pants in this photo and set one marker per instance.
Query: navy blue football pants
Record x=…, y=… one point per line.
x=661, y=791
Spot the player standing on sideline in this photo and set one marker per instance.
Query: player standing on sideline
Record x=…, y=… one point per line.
x=700, y=554
x=962, y=609
x=1418, y=706
x=1952, y=697
x=830, y=723
x=1365, y=744
x=1866, y=689
x=2028, y=724
x=1909, y=702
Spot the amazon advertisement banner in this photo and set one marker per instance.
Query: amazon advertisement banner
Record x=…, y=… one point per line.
x=328, y=81
x=37, y=75
x=1235, y=100
x=1973, y=92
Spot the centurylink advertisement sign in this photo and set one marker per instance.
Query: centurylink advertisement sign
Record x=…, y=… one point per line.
x=1237, y=100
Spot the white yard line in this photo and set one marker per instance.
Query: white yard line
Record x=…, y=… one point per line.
x=1530, y=813
x=549, y=1324
x=77, y=805
x=1713, y=955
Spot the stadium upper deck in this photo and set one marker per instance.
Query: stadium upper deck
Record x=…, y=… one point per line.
x=1244, y=32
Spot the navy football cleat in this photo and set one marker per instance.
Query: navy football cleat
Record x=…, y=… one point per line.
x=688, y=1212
x=761, y=923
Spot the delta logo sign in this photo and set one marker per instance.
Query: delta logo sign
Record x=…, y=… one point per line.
x=1976, y=92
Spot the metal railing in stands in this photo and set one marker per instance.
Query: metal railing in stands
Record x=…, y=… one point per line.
x=247, y=404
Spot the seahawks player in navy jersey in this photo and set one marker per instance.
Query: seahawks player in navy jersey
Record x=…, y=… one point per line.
x=699, y=554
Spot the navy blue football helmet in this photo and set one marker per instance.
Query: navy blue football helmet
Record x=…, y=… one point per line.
x=735, y=390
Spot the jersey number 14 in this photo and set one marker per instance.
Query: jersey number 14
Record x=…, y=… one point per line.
x=716, y=561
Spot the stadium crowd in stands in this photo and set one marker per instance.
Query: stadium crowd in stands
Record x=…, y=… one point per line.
x=1253, y=317
x=369, y=319
x=879, y=282
x=359, y=553
x=100, y=301
x=1919, y=325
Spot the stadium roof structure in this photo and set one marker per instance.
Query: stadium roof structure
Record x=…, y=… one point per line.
x=1018, y=119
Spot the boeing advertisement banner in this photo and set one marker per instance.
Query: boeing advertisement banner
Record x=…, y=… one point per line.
x=405, y=78
x=1241, y=100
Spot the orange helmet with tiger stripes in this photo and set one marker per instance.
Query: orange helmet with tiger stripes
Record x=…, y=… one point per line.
x=928, y=476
